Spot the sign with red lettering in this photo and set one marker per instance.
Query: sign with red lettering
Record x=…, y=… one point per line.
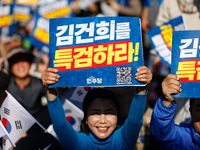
x=96, y=51
x=186, y=62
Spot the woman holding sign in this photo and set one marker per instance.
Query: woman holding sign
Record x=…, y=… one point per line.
x=101, y=110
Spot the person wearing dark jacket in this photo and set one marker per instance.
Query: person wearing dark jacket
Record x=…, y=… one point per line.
x=26, y=89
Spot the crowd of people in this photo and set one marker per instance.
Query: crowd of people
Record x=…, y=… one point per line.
x=123, y=117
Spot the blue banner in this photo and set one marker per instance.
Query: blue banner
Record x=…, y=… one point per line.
x=96, y=51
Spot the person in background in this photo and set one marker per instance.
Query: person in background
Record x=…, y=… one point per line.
x=126, y=7
x=167, y=134
x=87, y=8
x=40, y=64
x=171, y=9
x=26, y=89
x=101, y=110
x=9, y=42
x=145, y=22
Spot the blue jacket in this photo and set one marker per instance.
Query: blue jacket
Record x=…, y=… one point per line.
x=168, y=135
x=123, y=138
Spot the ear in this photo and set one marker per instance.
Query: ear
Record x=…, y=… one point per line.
x=86, y=122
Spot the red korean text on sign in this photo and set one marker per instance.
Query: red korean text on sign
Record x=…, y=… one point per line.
x=189, y=70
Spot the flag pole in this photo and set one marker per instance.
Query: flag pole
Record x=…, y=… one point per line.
x=41, y=125
x=11, y=141
x=7, y=134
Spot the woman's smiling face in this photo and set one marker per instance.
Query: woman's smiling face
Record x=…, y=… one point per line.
x=102, y=117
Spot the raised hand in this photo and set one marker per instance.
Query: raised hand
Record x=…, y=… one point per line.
x=143, y=75
x=170, y=85
x=50, y=76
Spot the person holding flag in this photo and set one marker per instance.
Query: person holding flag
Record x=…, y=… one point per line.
x=25, y=88
x=15, y=120
x=100, y=107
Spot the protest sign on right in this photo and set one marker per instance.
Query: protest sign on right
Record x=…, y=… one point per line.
x=186, y=62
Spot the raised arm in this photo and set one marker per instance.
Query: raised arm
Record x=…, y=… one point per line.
x=134, y=9
x=162, y=127
x=128, y=133
x=50, y=76
x=170, y=86
x=61, y=126
x=145, y=23
x=143, y=75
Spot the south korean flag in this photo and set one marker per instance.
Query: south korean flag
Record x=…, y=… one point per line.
x=15, y=119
